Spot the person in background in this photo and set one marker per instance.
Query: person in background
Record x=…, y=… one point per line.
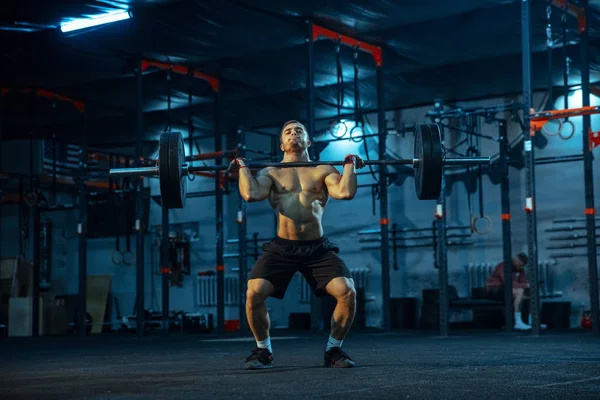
x=495, y=286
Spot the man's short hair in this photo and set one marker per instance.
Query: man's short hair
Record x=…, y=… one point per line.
x=293, y=121
x=523, y=258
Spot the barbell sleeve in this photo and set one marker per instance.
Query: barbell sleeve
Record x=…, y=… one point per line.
x=467, y=161
x=137, y=171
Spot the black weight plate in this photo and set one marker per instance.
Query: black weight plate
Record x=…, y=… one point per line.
x=436, y=166
x=173, y=184
x=428, y=171
x=421, y=152
x=163, y=165
x=176, y=161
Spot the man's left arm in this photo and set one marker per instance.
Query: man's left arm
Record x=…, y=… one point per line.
x=343, y=187
x=522, y=281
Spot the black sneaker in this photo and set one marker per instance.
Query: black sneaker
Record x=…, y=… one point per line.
x=337, y=358
x=259, y=359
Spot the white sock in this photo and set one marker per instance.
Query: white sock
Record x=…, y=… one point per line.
x=333, y=343
x=265, y=344
x=518, y=318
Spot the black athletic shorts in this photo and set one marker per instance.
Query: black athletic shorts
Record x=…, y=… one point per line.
x=317, y=261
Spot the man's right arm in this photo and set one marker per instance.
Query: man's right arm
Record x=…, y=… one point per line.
x=496, y=279
x=253, y=189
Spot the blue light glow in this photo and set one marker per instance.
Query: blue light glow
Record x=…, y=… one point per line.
x=94, y=20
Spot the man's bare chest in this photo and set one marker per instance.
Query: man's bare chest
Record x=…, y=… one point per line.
x=298, y=180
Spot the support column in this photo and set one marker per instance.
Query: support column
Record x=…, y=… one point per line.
x=219, y=224
x=1, y=165
x=165, y=268
x=139, y=257
x=275, y=141
x=82, y=231
x=242, y=245
x=383, y=202
x=37, y=263
x=530, y=207
x=442, y=245
x=506, y=234
x=588, y=166
x=315, y=302
x=34, y=213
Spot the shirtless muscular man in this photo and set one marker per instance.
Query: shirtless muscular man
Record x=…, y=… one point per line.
x=299, y=196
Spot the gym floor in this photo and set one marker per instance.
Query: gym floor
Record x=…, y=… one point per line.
x=390, y=365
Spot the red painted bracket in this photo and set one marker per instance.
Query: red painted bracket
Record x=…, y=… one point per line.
x=375, y=51
x=539, y=119
x=78, y=104
x=594, y=139
x=575, y=10
x=180, y=69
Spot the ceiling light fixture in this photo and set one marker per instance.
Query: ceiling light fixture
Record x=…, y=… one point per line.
x=94, y=20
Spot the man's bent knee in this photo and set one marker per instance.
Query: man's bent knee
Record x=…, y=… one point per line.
x=518, y=291
x=342, y=289
x=258, y=291
x=349, y=296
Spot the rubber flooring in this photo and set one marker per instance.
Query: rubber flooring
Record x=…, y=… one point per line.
x=389, y=366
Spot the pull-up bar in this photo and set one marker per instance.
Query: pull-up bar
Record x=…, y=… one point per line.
x=78, y=104
x=180, y=69
x=539, y=119
x=375, y=51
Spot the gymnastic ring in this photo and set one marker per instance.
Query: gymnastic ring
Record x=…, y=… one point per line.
x=558, y=131
x=474, y=224
x=31, y=199
x=563, y=137
x=117, y=257
x=128, y=257
x=360, y=137
x=339, y=125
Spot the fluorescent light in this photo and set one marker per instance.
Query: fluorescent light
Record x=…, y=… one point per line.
x=94, y=20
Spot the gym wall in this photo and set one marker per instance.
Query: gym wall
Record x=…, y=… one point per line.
x=559, y=195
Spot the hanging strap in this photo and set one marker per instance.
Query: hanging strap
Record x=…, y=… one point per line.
x=190, y=117
x=340, y=80
x=336, y=125
x=471, y=151
x=357, y=116
x=549, y=45
x=566, y=71
x=480, y=184
x=358, y=120
x=168, y=127
x=191, y=177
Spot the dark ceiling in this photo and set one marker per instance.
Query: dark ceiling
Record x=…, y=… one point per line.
x=453, y=50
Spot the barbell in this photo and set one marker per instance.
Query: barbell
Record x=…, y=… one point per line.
x=428, y=162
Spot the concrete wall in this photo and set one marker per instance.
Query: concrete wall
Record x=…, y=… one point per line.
x=123, y=286
x=560, y=194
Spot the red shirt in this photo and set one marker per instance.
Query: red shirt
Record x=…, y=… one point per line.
x=496, y=280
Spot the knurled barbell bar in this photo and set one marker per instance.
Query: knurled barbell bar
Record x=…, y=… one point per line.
x=428, y=162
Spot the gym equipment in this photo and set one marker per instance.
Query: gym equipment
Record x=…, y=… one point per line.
x=428, y=162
